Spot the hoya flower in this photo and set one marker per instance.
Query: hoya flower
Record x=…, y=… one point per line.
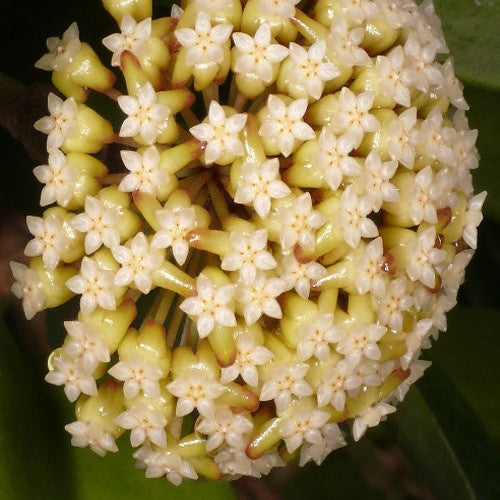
x=421, y=205
x=353, y=217
x=285, y=125
x=281, y=8
x=60, y=123
x=344, y=43
x=333, y=157
x=303, y=425
x=450, y=86
x=133, y=37
x=335, y=383
x=256, y=56
x=331, y=439
x=248, y=254
x=138, y=375
x=397, y=13
x=27, y=287
x=435, y=140
x=61, y=51
x=473, y=218
x=316, y=337
x=144, y=423
x=390, y=71
x=73, y=373
x=259, y=184
x=299, y=275
x=361, y=341
x=145, y=115
x=48, y=241
x=286, y=382
x=92, y=435
x=220, y=133
x=299, y=221
x=358, y=11
x=309, y=69
x=402, y=137
x=99, y=223
x=204, y=42
x=249, y=355
x=165, y=463
x=370, y=418
x=395, y=301
x=235, y=463
x=370, y=276
x=195, y=390
x=138, y=261
x=59, y=178
x=224, y=426
x=211, y=305
x=353, y=116
x=259, y=297
x=95, y=286
x=86, y=342
x=423, y=256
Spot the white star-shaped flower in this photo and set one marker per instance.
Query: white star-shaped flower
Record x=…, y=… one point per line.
x=370, y=276
x=86, y=342
x=333, y=157
x=285, y=125
x=451, y=87
x=335, y=382
x=299, y=275
x=423, y=256
x=145, y=114
x=376, y=179
x=421, y=205
x=285, y=382
x=248, y=357
x=315, y=338
x=27, y=287
x=303, y=425
x=435, y=141
x=204, y=42
x=164, y=463
x=353, y=116
x=248, y=254
x=473, y=218
x=211, y=305
x=454, y=273
x=358, y=11
x=402, y=137
x=259, y=297
x=138, y=261
x=95, y=286
x=72, y=373
x=133, y=37
x=344, y=43
x=93, y=435
x=299, y=221
x=397, y=13
x=49, y=240
x=59, y=178
x=61, y=51
x=224, y=426
x=394, y=302
x=59, y=125
x=221, y=133
x=144, y=423
x=284, y=9
x=259, y=183
x=390, y=70
x=361, y=341
x=370, y=418
x=353, y=217
x=256, y=56
x=175, y=224
x=145, y=175
x=195, y=390
x=234, y=462
x=138, y=374
x=331, y=439
x=309, y=69
x=99, y=223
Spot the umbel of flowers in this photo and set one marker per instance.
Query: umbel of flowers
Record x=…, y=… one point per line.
x=295, y=193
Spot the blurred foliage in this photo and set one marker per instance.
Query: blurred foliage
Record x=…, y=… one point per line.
x=442, y=441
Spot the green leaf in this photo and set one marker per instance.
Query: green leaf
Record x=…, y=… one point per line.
x=472, y=31
x=468, y=354
x=33, y=451
x=445, y=441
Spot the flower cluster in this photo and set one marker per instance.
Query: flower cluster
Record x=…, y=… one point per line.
x=294, y=191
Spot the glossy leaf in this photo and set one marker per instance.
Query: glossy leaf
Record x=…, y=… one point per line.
x=445, y=441
x=472, y=31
